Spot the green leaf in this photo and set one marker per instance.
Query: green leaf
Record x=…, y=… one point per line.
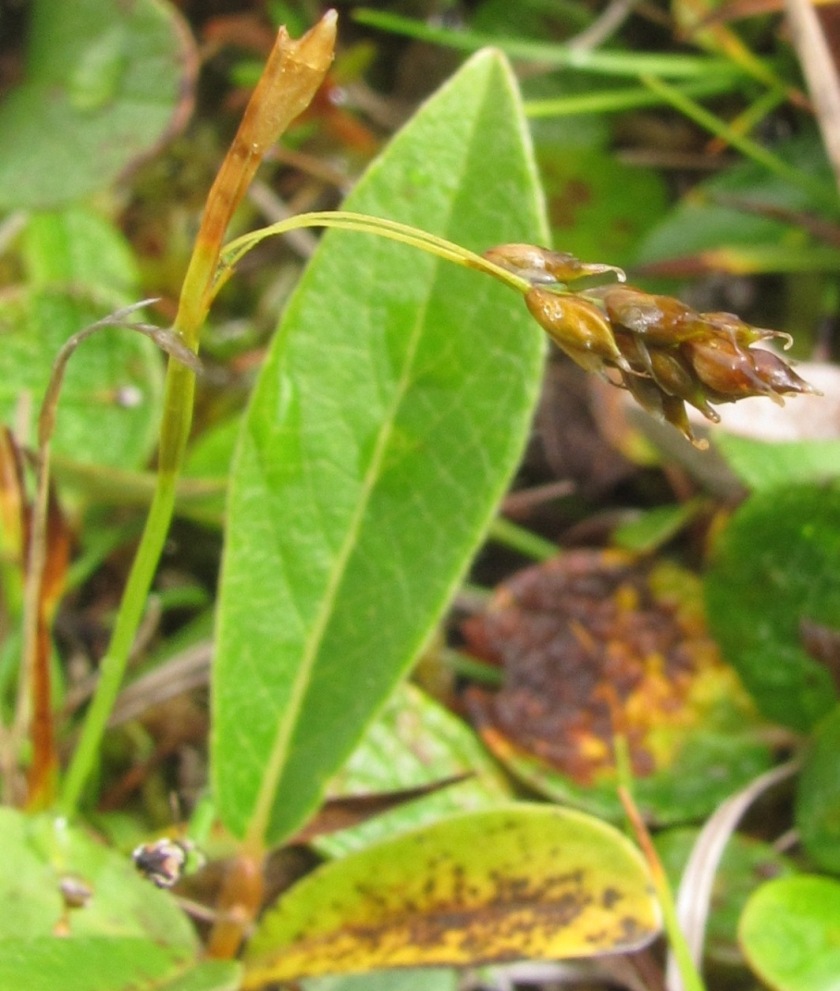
x=818, y=795
x=103, y=85
x=43, y=851
x=89, y=964
x=79, y=270
x=127, y=935
x=789, y=933
x=414, y=742
x=529, y=881
x=763, y=465
x=49, y=963
x=775, y=568
x=386, y=423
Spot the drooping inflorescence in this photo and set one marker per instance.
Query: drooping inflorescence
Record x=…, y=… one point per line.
x=662, y=351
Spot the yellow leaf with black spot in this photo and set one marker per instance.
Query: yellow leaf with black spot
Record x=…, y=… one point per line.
x=521, y=881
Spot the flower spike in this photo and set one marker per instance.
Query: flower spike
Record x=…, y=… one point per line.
x=666, y=354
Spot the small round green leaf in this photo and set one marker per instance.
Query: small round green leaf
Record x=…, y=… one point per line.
x=790, y=933
x=77, y=916
x=104, y=83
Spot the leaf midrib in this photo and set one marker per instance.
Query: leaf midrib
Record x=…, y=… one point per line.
x=274, y=768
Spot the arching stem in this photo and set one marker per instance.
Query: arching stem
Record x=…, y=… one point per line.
x=233, y=252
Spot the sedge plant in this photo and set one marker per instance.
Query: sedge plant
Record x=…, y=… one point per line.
x=663, y=352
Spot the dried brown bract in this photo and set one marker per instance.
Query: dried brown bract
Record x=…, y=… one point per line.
x=543, y=266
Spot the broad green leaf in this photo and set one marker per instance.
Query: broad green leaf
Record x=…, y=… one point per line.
x=818, y=794
x=774, y=571
x=763, y=465
x=91, y=963
x=789, y=933
x=79, y=270
x=414, y=742
x=103, y=85
x=529, y=881
x=388, y=418
x=208, y=975
x=44, y=851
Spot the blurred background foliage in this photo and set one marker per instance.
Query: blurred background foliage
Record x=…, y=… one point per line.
x=692, y=143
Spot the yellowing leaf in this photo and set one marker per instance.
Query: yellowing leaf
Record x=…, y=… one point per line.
x=520, y=881
x=594, y=633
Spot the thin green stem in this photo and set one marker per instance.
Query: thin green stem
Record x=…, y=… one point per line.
x=180, y=385
x=604, y=62
x=625, y=98
x=691, y=979
x=114, y=663
x=464, y=666
x=517, y=538
x=233, y=252
x=689, y=974
x=287, y=85
x=759, y=109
